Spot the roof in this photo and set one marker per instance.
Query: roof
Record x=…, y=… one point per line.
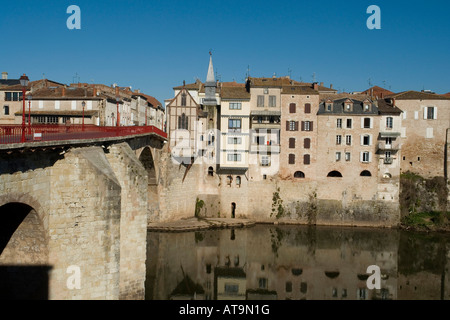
x=377, y=91
x=152, y=100
x=70, y=93
x=234, y=92
x=9, y=82
x=386, y=106
x=298, y=90
x=270, y=82
x=191, y=86
x=338, y=107
x=416, y=95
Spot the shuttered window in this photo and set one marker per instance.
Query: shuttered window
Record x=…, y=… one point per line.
x=291, y=143
x=307, y=108
x=292, y=108
x=307, y=143
x=306, y=159
x=292, y=158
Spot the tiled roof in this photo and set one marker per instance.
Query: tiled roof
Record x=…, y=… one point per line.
x=270, y=82
x=70, y=93
x=416, y=95
x=377, y=91
x=385, y=106
x=298, y=90
x=234, y=92
x=152, y=100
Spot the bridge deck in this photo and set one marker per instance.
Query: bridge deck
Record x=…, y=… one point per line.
x=14, y=135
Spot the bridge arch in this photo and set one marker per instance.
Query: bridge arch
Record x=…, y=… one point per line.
x=146, y=158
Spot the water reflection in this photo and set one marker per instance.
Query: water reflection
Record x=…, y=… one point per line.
x=296, y=262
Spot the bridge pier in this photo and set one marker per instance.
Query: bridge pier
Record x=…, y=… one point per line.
x=90, y=206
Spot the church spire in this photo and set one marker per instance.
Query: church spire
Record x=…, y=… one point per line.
x=210, y=77
x=210, y=85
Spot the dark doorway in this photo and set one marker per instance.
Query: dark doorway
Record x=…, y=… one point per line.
x=233, y=210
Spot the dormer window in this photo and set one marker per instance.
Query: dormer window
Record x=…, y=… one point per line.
x=348, y=105
x=367, y=105
x=328, y=105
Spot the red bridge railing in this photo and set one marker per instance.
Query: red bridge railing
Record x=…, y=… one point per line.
x=14, y=133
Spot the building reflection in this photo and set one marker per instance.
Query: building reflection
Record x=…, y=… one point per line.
x=289, y=263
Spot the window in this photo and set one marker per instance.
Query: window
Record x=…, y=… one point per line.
x=260, y=101
x=307, y=126
x=306, y=159
x=210, y=171
x=6, y=110
x=389, y=122
x=291, y=125
x=349, y=123
x=367, y=123
x=307, y=108
x=234, y=157
x=292, y=107
x=348, y=140
x=234, y=140
x=234, y=125
x=338, y=156
x=366, y=140
x=291, y=143
x=183, y=100
x=339, y=123
x=365, y=156
x=262, y=283
x=430, y=113
x=235, y=105
x=292, y=158
x=13, y=96
x=366, y=107
x=348, y=107
x=238, y=181
x=183, y=122
x=288, y=286
x=334, y=174
x=347, y=156
x=365, y=173
x=299, y=174
x=328, y=106
x=272, y=101
x=338, y=139
x=307, y=143
x=265, y=161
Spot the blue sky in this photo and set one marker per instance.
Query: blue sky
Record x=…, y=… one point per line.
x=155, y=45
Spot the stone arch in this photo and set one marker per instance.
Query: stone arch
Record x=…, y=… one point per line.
x=299, y=174
x=147, y=160
x=24, y=253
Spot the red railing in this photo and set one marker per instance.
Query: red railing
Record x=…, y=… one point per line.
x=33, y=133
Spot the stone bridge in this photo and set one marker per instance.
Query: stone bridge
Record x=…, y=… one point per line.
x=74, y=216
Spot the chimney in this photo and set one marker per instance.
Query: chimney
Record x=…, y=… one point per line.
x=382, y=95
x=117, y=91
x=4, y=75
x=321, y=84
x=316, y=86
x=94, y=91
x=63, y=93
x=331, y=86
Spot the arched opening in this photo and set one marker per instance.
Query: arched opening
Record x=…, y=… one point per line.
x=299, y=174
x=334, y=174
x=146, y=159
x=23, y=253
x=233, y=209
x=365, y=173
x=211, y=171
x=238, y=181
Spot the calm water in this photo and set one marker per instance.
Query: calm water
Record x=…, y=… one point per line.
x=296, y=262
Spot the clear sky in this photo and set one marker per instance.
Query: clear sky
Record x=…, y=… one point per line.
x=155, y=45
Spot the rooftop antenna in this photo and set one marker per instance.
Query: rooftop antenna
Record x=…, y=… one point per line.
x=43, y=76
x=384, y=83
x=370, y=82
x=248, y=71
x=314, y=77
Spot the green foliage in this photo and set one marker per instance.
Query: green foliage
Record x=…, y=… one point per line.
x=277, y=205
x=198, y=206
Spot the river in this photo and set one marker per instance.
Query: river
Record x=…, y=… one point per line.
x=268, y=262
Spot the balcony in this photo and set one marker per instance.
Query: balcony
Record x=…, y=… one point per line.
x=264, y=148
x=393, y=146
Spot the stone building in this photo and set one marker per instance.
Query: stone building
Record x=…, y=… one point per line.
x=424, y=132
